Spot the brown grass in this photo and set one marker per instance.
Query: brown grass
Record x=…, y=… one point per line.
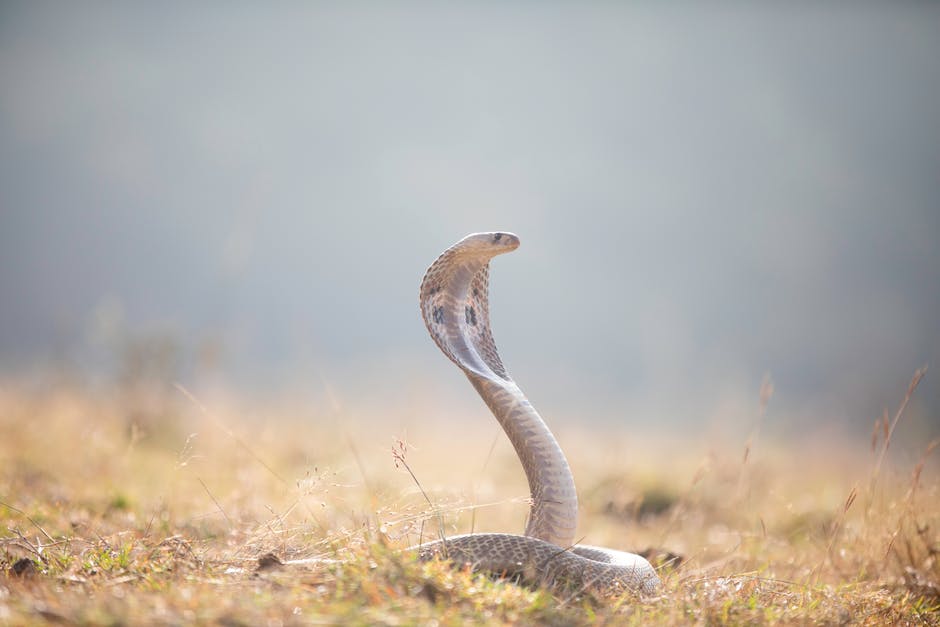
x=111, y=515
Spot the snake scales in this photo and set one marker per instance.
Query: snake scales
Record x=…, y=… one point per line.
x=455, y=307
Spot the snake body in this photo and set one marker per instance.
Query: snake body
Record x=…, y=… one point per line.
x=454, y=300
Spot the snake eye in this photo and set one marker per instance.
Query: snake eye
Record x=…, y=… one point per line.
x=497, y=237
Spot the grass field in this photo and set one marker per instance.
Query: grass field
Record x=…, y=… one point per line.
x=117, y=510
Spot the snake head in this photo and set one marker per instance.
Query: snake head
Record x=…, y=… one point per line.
x=487, y=244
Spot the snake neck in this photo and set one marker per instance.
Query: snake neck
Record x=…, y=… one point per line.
x=554, y=513
x=454, y=298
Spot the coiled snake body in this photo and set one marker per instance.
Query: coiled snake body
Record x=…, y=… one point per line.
x=455, y=307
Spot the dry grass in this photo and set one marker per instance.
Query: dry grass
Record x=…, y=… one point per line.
x=113, y=516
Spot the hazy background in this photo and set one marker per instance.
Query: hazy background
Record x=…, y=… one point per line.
x=250, y=194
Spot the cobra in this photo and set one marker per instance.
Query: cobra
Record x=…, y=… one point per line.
x=454, y=301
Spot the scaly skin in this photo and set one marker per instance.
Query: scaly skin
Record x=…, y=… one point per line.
x=455, y=306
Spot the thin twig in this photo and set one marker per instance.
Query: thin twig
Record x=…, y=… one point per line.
x=486, y=461
x=398, y=453
x=26, y=516
x=202, y=408
x=765, y=394
x=915, y=380
x=206, y=488
x=362, y=469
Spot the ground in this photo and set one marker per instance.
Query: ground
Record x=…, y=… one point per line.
x=120, y=511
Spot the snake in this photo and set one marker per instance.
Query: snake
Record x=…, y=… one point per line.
x=454, y=299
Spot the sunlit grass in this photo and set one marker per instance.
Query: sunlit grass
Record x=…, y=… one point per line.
x=110, y=516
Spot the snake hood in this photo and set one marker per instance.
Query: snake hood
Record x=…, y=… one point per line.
x=455, y=303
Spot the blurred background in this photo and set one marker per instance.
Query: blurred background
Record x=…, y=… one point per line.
x=243, y=198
